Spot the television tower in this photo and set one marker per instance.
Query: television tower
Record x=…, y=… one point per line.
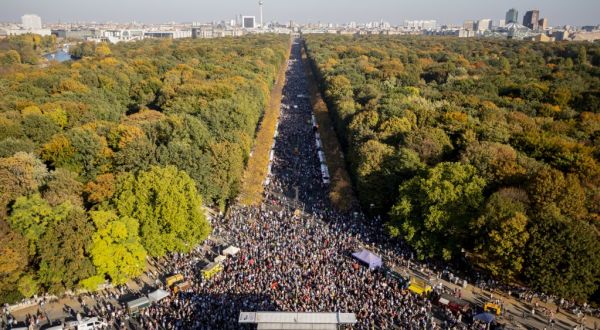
x=260, y=5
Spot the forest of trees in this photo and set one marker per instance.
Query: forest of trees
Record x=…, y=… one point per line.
x=108, y=159
x=486, y=146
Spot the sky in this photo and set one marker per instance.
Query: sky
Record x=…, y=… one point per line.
x=559, y=12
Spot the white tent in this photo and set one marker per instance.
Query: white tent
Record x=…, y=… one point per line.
x=231, y=250
x=157, y=295
x=220, y=259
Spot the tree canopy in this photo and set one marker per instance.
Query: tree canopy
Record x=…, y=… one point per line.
x=112, y=156
x=464, y=145
x=168, y=208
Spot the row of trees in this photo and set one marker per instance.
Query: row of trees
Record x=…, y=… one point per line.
x=25, y=49
x=484, y=146
x=103, y=160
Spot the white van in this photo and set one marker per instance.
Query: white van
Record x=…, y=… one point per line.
x=91, y=323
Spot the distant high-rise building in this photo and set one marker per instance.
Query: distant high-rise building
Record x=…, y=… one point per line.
x=421, y=24
x=512, y=16
x=469, y=25
x=249, y=22
x=501, y=23
x=484, y=24
x=543, y=23
x=260, y=5
x=531, y=19
x=31, y=22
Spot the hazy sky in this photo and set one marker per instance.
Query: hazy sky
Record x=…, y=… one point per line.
x=559, y=12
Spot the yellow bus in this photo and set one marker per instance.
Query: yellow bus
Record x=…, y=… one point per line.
x=169, y=281
x=211, y=270
x=419, y=286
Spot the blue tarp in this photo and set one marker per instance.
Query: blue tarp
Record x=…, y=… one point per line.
x=485, y=317
x=368, y=258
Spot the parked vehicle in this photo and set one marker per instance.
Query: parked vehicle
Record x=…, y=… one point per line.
x=134, y=306
x=169, y=281
x=90, y=323
x=493, y=308
x=211, y=270
x=454, y=304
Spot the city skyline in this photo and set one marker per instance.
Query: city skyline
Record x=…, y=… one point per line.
x=576, y=12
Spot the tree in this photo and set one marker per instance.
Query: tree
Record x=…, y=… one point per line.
x=11, y=146
x=28, y=286
x=225, y=167
x=502, y=233
x=551, y=188
x=9, y=58
x=101, y=189
x=90, y=153
x=563, y=256
x=13, y=257
x=168, y=207
x=582, y=56
x=434, y=210
x=64, y=259
x=31, y=216
x=39, y=128
x=63, y=186
x=102, y=50
x=20, y=174
x=116, y=251
x=495, y=162
x=431, y=144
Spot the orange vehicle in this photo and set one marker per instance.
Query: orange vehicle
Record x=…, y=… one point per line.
x=176, y=278
x=181, y=286
x=490, y=307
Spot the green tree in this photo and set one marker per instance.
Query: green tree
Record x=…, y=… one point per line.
x=563, y=256
x=168, y=207
x=20, y=174
x=11, y=146
x=39, y=128
x=502, y=233
x=28, y=286
x=434, y=210
x=582, y=55
x=32, y=215
x=116, y=251
x=11, y=57
x=495, y=162
x=64, y=259
x=91, y=153
x=432, y=144
x=62, y=185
